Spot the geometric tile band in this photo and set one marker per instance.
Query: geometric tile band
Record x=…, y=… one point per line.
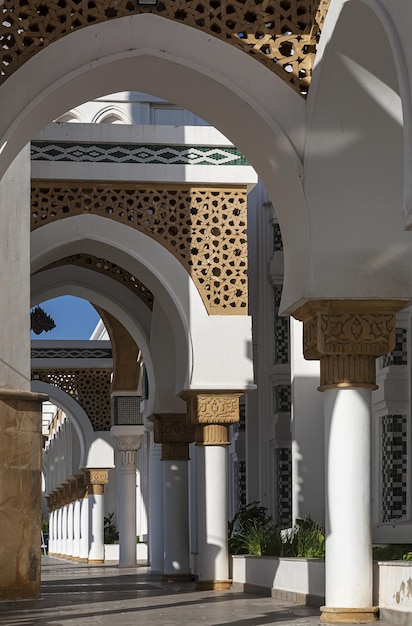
x=398, y=356
x=284, y=487
x=89, y=387
x=394, y=433
x=135, y=153
x=71, y=353
x=280, y=34
x=204, y=228
x=277, y=238
x=108, y=268
x=282, y=398
x=281, y=330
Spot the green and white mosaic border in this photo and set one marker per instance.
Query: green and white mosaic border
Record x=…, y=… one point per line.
x=136, y=153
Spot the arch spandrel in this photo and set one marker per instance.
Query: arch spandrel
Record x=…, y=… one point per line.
x=280, y=34
x=204, y=228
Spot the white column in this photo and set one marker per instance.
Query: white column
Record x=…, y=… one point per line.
x=96, y=528
x=51, y=532
x=128, y=440
x=348, y=469
x=126, y=509
x=70, y=511
x=212, y=516
x=58, y=549
x=76, y=529
x=156, y=518
x=176, y=529
x=84, y=529
x=95, y=480
x=64, y=530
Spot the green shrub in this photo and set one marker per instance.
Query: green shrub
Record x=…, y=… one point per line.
x=307, y=540
x=111, y=534
x=392, y=552
x=248, y=524
x=252, y=531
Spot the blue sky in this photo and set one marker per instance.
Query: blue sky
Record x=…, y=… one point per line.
x=74, y=318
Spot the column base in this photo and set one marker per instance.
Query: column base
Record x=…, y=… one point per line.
x=171, y=578
x=95, y=561
x=348, y=615
x=213, y=585
x=83, y=560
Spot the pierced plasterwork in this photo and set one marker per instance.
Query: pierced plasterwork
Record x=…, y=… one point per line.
x=89, y=387
x=280, y=34
x=103, y=266
x=204, y=228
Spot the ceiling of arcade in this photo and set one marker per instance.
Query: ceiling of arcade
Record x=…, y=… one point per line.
x=280, y=34
x=204, y=228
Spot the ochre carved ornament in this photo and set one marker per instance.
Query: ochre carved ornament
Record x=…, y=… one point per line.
x=172, y=428
x=347, y=336
x=95, y=480
x=212, y=413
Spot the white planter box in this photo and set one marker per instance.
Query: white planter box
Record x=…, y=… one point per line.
x=393, y=591
x=293, y=579
x=303, y=581
x=111, y=552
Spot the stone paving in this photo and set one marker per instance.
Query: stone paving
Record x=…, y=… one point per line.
x=81, y=595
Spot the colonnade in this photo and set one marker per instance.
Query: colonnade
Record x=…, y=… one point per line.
x=76, y=521
x=207, y=424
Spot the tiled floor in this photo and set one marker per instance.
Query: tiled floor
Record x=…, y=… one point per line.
x=80, y=595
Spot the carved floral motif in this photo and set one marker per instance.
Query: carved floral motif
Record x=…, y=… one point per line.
x=347, y=336
x=214, y=408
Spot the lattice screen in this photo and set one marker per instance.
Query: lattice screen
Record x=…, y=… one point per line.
x=89, y=387
x=280, y=34
x=117, y=273
x=204, y=228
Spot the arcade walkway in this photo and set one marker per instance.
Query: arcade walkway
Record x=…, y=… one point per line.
x=79, y=595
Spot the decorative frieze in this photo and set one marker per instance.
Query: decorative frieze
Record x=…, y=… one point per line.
x=154, y=154
x=347, y=336
x=282, y=35
x=213, y=407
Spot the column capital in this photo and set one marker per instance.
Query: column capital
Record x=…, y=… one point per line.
x=127, y=440
x=174, y=432
x=347, y=336
x=96, y=479
x=127, y=437
x=212, y=412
